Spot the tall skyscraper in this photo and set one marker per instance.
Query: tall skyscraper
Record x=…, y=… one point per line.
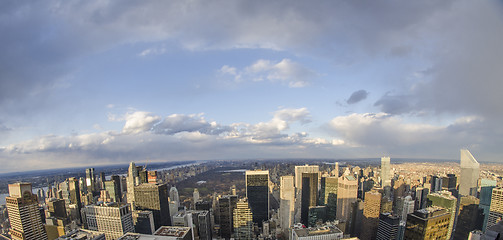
x=408, y=207
x=24, y=214
x=287, y=202
x=449, y=183
x=470, y=217
x=304, y=169
x=371, y=211
x=243, y=221
x=346, y=195
x=136, y=176
x=257, y=192
x=496, y=209
x=468, y=184
x=174, y=197
x=113, y=187
x=195, y=196
x=427, y=223
x=328, y=195
x=309, y=195
x=154, y=197
x=386, y=176
x=486, y=191
x=445, y=200
x=90, y=180
x=226, y=206
x=113, y=219
x=388, y=228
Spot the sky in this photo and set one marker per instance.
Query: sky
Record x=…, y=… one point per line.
x=86, y=83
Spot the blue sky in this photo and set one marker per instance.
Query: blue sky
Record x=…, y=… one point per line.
x=101, y=82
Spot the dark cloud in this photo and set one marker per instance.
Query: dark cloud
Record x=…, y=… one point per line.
x=394, y=104
x=357, y=96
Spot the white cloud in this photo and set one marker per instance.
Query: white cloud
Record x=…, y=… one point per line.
x=285, y=71
x=137, y=122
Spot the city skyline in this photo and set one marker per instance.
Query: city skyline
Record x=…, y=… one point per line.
x=93, y=83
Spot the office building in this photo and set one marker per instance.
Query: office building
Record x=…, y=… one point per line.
x=243, y=221
x=388, y=228
x=174, y=197
x=257, y=192
x=449, y=183
x=327, y=232
x=24, y=214
x=309, y=195
x=346, y=196
x=496, y=209
x=204, y=225
x=469, y=176
x=143, y=221
x=287, y=201
x=436, y=184
x=386, y=176
x=154, y=198
x=226, y=206
x=371, y=211
x=195, y=196
x=421, y=198
x=427, y=223
x=113, y=187
x=470, y=217
x=83, y=234
x=316, y=215
x=445, y=200
x=299, y=170
x=486, y=191
x=328, y=195
x=90, y=180
x=136, y=176
x=113, y=219
x=163, y=233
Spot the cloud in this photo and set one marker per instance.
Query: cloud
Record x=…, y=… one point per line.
x=394, y=104
x=147, y=135
x=285, y=71
x=357, y=96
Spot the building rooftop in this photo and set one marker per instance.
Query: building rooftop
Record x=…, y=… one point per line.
x=314, y=231
x=172, y=231
x=82, y=234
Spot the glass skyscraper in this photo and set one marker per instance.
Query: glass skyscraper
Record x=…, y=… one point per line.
x=257, y=192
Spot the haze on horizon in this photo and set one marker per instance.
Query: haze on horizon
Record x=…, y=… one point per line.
x=105, y=82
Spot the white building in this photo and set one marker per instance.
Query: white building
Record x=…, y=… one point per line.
x=113, y=219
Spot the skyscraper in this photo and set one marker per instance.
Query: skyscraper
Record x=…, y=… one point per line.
x=287, y=202
x=469, y=174
x=242, y=218
x=174, y=197
x=427, y=223
x=388, y=227
x=470, y=217
x=113, y=219
x=257, y=192
x=386, y=176
x=346, y=196
x=371, y=211
x=113, y=187
x=90, y=180
x=24, y=214
x=328, y=195
x=445, y=200
x=154, y=197
x=226, y=205
x=496, y=209
x=298, y=187
x=309, y=195
x=136, y=176
x=486, y=191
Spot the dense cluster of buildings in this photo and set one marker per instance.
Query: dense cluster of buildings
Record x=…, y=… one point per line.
x=310, y=203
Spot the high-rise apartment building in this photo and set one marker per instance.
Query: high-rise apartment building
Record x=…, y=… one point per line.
x=445, y=200
x=287, y=202
x=496, y=209
x=243, y=221
x=154, y=197
x=309, y=195
x=113, y=219
x=24, y=214
x=257, y=192
x=468, y=184
x=427, y=223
